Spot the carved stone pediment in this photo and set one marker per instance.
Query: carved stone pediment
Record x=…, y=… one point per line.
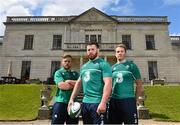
x=93, y=15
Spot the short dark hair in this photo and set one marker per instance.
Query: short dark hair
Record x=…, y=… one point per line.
x=66, y=56
x=121, y=45
x=93, y=43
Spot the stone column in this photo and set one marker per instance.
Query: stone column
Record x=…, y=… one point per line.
x=44, y=111
x=143, y=112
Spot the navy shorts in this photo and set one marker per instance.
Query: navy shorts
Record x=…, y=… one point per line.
x=60, y=114
x=123, y=111
x=90, y=116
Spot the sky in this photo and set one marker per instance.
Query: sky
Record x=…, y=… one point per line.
x=170, y=8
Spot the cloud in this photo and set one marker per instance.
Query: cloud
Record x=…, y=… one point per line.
x=171, y=2
x=18, y=10
x=125, y=8
x=50, y=8
x=175, y=34
x=70, y=7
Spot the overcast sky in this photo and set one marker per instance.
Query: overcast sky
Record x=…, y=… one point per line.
x=170, y=8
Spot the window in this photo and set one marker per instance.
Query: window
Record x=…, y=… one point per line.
x=150, y=43
x=99, y=38
x=126, y=39
x=152, y=69
x=25, y=70
x=28, y=42
x=57, y=41
x=93, y=37
x=86, y=38
x=55, y=65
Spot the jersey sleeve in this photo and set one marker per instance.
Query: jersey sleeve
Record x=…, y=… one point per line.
x=80, y=74
x=136, y=72
x=106, y=69
x=58, y=77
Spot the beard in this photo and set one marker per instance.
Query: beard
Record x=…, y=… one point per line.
x=67, y=67
x=92, y=56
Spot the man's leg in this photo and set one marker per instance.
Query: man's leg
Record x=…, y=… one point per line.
x=86, y=114
x=130, y=111
x=59, y=113
x=115, y=113
x=97, y=118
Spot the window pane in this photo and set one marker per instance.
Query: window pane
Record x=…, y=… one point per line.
x=86, y=38
x=93, y=38
x=25, y=70
x=28, y=42
x=99, y=38
x=55, y=65
x=126, y=39
x=150, y=43
x=57, y=41
x=153, y=71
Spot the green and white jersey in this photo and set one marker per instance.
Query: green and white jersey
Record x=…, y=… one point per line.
x=124, y=76
x=62, y=75
x=91, y=75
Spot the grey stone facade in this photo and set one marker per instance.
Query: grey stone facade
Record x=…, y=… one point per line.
x=74, y=29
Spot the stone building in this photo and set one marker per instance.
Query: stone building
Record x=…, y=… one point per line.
x=34, y=44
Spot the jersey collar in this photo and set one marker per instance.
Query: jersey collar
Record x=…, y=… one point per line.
x=123, y=61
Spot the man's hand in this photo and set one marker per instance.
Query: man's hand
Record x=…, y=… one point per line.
x=101, y=108
x=70, y=104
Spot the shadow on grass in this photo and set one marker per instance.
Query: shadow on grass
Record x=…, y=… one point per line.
x=159, y=116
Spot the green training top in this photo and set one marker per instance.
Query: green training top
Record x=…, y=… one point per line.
x=124, y=76
x=91, y=75
x=62, y=75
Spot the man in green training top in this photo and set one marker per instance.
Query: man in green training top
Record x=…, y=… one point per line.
x=65, y=79
x=96, y=80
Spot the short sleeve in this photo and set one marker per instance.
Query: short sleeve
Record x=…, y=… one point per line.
x=58, y=77
x=136, y=72
x=106, y=69
x=81, y=72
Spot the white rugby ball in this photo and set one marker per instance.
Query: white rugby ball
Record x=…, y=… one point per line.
x=75, y=110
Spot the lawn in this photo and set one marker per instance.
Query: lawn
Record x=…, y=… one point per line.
x=19, y=102
x=163, y=102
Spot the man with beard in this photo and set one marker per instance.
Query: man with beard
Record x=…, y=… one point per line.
x=96, y=80
x=65, y=78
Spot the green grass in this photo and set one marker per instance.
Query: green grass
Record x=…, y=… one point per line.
x=19, y=102
x=163, y=102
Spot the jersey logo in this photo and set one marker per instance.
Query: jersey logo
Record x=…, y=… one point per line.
x=119, y=78
x=86, y=76
x=114, y=68
x=127, y=67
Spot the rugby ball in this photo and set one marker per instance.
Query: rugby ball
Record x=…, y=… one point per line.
x=75, y=110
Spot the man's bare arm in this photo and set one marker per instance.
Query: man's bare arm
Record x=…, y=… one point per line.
x=106, y=93
x=138, y=89
x=65, y=86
